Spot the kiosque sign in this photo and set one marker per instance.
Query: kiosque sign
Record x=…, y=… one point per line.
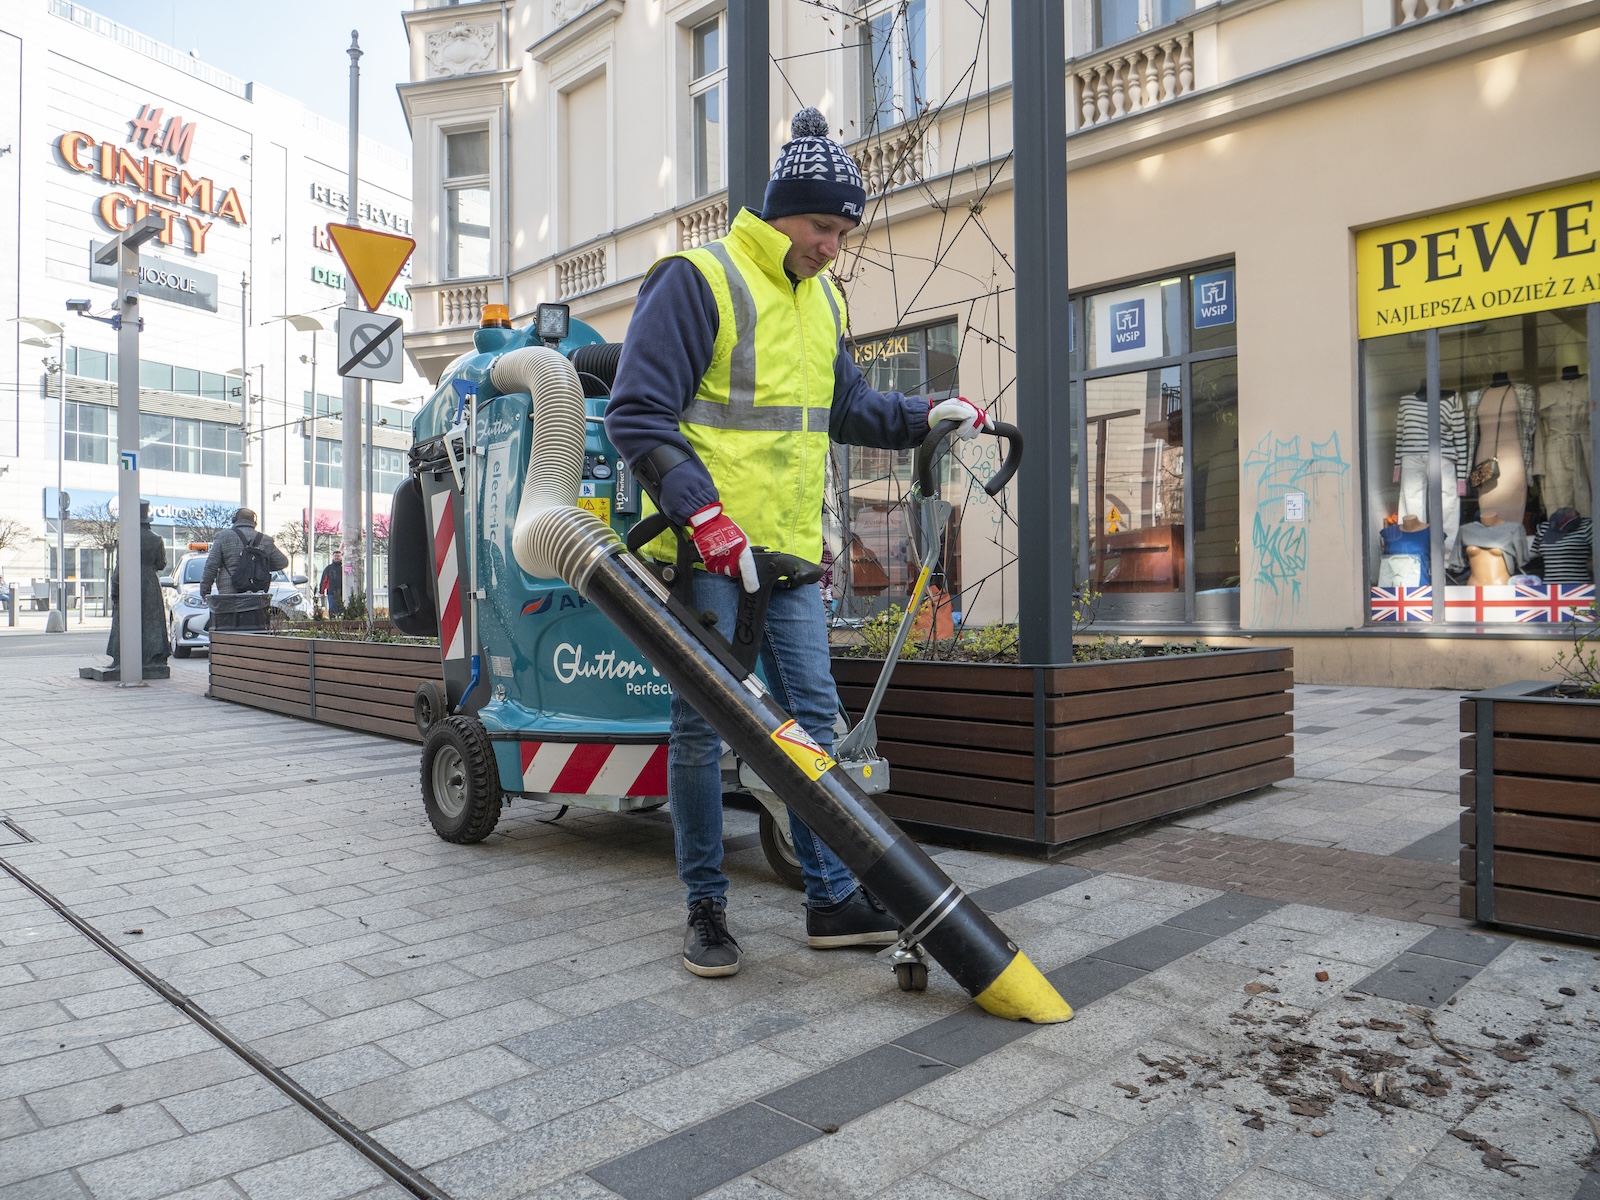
x=1521, y=255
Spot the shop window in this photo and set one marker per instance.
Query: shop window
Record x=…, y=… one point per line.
x=1480, y=474
x=894, y=63
x=707, y=95
x=873, y=522
x=1160, y=469
x=466, y=204
x=88, y=433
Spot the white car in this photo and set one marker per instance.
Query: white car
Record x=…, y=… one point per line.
x=191, y=616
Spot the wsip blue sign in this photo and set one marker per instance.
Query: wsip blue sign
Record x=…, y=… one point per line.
x=1127, y=326
x=1213, y=299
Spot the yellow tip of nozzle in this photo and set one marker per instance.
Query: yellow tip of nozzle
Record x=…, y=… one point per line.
x=1021, y=993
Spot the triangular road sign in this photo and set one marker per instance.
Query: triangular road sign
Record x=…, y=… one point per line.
x=373, y=259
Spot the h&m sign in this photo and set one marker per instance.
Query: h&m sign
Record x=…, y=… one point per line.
x=1521, y=255
x=197, y=201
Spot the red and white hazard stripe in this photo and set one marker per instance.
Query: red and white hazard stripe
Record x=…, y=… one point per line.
x=448, y=590
x=594, y=769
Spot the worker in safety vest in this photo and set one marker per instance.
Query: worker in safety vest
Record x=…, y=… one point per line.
x=734, y=377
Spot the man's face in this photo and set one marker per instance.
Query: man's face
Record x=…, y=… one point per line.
x=814, y=241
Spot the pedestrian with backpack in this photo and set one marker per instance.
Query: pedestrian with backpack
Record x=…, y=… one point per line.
x=239, y=568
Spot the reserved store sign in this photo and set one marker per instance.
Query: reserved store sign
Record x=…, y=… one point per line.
x=1525, y=254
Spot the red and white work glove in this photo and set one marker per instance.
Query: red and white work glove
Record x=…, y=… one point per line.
x=958, y=408
x=723, y=546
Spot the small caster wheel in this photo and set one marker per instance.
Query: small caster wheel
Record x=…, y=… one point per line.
x=911, y=976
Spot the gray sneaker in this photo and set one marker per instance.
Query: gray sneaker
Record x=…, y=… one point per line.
x=708, y=948
x=858, y=920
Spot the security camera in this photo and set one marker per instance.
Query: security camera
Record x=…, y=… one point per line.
x=78, y=306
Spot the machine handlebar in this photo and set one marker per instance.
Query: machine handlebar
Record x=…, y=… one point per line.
x=928, y=455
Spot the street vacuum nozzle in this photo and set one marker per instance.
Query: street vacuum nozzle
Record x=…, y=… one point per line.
x=554, y=538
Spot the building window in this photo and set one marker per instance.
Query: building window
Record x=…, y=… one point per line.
x=327, y=406
x=1120, y=20
x=169, y=444
x=389, y=469
x=330, y=461
x=1502, y=432
x=190, y=447
x=219, y=449
x=90, y=429
x=1158, y=405
x=880, y=561
x=894, y=63
x=708, y=77
x=466, y=204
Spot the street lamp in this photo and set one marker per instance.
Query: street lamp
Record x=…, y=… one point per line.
x=56, y=622
x=305, y=323
x=245, y=377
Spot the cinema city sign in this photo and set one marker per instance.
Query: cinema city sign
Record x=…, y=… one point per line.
x=150, y=176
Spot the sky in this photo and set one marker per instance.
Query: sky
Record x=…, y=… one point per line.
x=292, y=46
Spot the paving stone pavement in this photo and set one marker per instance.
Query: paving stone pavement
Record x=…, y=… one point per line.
x=1273, y=1000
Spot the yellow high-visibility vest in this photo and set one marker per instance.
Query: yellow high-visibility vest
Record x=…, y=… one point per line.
x=759, y=420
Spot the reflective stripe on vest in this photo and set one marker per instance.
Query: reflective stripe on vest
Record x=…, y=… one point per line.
x=740, y=412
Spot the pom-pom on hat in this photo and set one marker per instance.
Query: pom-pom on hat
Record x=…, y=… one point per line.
x=813, y=174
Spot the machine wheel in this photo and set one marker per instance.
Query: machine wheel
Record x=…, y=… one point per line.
x=911, y=976
x=180, y=652
x=460, y=781
x=779, y=849
x=428, y=706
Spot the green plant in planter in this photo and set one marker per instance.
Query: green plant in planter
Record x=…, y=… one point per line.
x=355, y=606
x=1580, y=669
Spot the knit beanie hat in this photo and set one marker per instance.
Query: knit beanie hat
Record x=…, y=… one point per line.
x=814, y=174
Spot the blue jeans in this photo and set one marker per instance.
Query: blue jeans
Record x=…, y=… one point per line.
x=794, y=656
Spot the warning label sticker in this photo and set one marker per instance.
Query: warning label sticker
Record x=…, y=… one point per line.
x=805, y=753
x=600, y=506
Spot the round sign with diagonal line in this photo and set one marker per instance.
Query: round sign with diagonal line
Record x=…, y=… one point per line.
x=369, y=346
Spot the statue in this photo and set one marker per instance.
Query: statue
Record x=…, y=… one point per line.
x=153, y=615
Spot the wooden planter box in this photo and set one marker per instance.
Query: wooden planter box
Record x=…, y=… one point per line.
x=1036, y=757
x=1530, y=831
x=355, y=685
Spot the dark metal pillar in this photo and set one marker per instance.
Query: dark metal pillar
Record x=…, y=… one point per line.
x=1045, y=526
x=749, y=85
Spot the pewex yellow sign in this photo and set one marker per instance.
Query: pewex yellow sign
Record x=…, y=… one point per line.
x=1521, y=255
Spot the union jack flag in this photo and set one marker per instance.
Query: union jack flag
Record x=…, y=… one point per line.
x=1402, y=604
x=1554, y=602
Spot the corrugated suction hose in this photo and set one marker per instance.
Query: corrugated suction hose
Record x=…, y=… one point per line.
x=553, y=538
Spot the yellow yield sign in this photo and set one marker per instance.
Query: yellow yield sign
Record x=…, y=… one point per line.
x=373, y=259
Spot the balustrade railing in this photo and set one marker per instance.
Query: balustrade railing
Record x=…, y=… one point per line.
x=704, y=224
x=1137, y=79
x=892, y=159
x=1408, y=11
x=582, y=272
x=462, y=304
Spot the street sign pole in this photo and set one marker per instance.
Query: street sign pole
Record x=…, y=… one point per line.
x=350, y=529
x=124, y=251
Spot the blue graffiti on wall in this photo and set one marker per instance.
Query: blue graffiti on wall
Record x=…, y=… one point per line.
x=1280, y=547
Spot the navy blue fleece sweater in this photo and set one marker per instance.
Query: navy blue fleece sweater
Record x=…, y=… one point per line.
x=666, y=353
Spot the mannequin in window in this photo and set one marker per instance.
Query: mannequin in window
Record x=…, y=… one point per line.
x=1495, y=549
x=1502, y=424
x=1561, y=451
x=1407, y=554
x=1411, y=459
x=1565, y=544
